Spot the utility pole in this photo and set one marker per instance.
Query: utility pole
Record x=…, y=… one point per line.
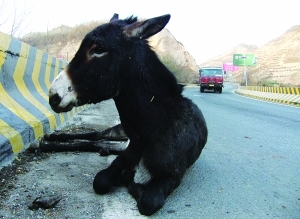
x=298, y=65
x=245, y=73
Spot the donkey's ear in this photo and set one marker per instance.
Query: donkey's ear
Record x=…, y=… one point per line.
x=144, y=29
x=115, y=17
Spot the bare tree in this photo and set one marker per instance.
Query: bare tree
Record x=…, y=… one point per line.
x=17, y=18
x=2, y=7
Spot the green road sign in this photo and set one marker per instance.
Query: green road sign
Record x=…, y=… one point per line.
x=244, y=59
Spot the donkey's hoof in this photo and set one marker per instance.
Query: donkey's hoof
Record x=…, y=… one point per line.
x=34, y=146
x=104, y=152
x=148, y=204
x=47, y=136
x=101, y=183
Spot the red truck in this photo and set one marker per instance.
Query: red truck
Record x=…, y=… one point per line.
x=211, y=78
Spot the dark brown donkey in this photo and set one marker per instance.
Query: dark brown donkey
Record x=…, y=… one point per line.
x=167, y=131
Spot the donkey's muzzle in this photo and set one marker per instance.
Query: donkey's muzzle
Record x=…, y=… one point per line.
x=54, y=101
x=62, y=96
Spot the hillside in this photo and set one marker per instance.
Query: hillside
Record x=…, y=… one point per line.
x=278, y=61
x=227, y=56
x=61, y=41
x=64, y=41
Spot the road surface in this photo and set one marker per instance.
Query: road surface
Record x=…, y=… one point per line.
x=248, y=169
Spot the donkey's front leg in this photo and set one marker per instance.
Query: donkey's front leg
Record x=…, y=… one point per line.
x=152, y=197
x=109, y=177
x=119, y=172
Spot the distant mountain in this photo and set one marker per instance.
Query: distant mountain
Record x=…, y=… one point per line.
x=64, y=41
x=278, y=61
x=227, y=56
x=62, y=29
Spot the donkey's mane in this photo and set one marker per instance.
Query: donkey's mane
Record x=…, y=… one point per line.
x=130, y=20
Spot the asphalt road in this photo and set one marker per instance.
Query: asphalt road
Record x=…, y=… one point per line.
x=248, y=169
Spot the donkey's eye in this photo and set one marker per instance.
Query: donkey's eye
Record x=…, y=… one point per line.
x=98, y=50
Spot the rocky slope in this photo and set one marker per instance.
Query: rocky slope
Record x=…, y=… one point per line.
x=171, y=52
x=278, y=61
x=226, y=57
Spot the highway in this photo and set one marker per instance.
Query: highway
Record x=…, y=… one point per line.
x=250, y=167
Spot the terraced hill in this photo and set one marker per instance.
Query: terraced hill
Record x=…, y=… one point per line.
x=278, y=61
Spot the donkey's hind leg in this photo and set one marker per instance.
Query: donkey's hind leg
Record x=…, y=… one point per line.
x=104, y=148
x=110, y=141
x=115, y=133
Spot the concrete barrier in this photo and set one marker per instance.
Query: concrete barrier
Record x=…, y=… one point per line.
x=25, y=77
x=284, y=95
x=279, y=90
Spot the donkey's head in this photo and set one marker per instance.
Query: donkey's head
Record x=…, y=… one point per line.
x=93, y=74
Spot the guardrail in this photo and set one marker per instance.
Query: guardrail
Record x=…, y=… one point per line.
x=25, y=77
x=284, y=95
x=279, y=90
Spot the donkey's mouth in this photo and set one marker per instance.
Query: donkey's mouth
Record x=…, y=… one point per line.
x=67, y=108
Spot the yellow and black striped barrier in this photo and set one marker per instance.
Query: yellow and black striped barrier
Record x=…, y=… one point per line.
x=25, y=77
x=284, y=95
x=278, y=90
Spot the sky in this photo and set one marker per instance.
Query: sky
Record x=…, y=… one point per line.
x=206, y=28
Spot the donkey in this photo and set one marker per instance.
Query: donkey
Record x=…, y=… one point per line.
x=167, y=131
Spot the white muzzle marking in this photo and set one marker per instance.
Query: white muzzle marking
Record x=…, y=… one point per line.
x=63, y=87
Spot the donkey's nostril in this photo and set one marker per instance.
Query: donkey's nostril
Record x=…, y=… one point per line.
x=54, y=100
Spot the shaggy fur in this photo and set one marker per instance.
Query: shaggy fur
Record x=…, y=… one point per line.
x=167, y=131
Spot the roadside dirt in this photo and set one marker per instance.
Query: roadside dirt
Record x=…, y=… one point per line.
x=70, y=174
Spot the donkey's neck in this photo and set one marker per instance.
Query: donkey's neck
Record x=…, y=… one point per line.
x=142, y=68
x=149, y=91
